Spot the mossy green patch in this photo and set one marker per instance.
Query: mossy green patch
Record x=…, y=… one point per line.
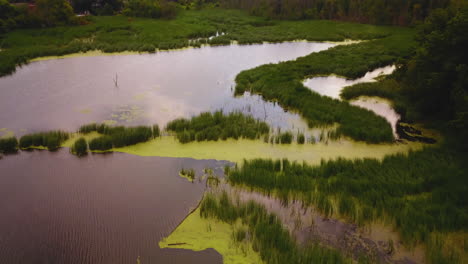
x=238, y=150
x=197, y=233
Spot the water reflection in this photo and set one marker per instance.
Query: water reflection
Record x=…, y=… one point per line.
x=152, y=88
x=332, y=85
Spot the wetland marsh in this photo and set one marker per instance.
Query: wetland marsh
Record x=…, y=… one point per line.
x=224, y=141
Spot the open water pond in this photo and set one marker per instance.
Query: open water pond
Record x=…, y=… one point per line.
x=57, y=208
x=151, y=88
x=331, y=86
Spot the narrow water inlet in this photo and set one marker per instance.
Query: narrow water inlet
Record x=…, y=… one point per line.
x=332, y=86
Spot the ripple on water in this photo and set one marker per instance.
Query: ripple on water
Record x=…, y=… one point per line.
x=57, y=208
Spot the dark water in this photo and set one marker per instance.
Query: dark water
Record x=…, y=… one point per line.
x=57, y=208
x=152, y=88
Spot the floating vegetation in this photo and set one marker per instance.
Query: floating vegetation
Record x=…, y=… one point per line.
x=214, y=126
x=188, y=174
x=8, y=145
x=50, y=140
x=266, y=232
x=80, y=147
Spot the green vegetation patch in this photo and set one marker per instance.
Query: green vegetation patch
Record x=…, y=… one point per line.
x=420, y=193
x=283, y=82
x=80, y=147
x=51, y=140
x=8, y=145
x=118, y=136
x=265, y=231
x=187, y=174
x=198, y=233
x=214, y=126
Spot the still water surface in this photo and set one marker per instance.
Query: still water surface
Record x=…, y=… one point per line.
x=151, y=88
x=57, y=208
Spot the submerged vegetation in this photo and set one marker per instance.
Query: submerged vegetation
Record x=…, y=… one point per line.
x=214, y=126
x=50, y=140
x=266, y=232
x=421, y=193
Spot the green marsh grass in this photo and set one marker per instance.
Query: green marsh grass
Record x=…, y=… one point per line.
x=50, y=140
x=266, y=232
x=8, y=145
x=103, y=143
x=215, y=126
x=419, y=193
x=119, y=136
x=80, y=147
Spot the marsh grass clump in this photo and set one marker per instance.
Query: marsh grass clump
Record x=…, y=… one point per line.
x=80, y=147
x=215, y=126
x=120, y=136
x=300, y=138
x=156, y=131
x=103, y=143
x=8, y=145
x=189, y=174
x=266, y=232
x=50, y=140
x=286, y=138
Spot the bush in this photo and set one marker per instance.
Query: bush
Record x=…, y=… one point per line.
x=8, y=145
x=80, y=147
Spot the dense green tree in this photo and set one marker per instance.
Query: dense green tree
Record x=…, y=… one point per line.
x=55, y=12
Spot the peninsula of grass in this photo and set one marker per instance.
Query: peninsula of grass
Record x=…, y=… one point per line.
x=214, y=126
x=283, y=82
x=421, y=194
x=265, y=232
x=51, y=140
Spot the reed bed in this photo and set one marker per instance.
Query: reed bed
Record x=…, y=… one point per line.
x=215, y=126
